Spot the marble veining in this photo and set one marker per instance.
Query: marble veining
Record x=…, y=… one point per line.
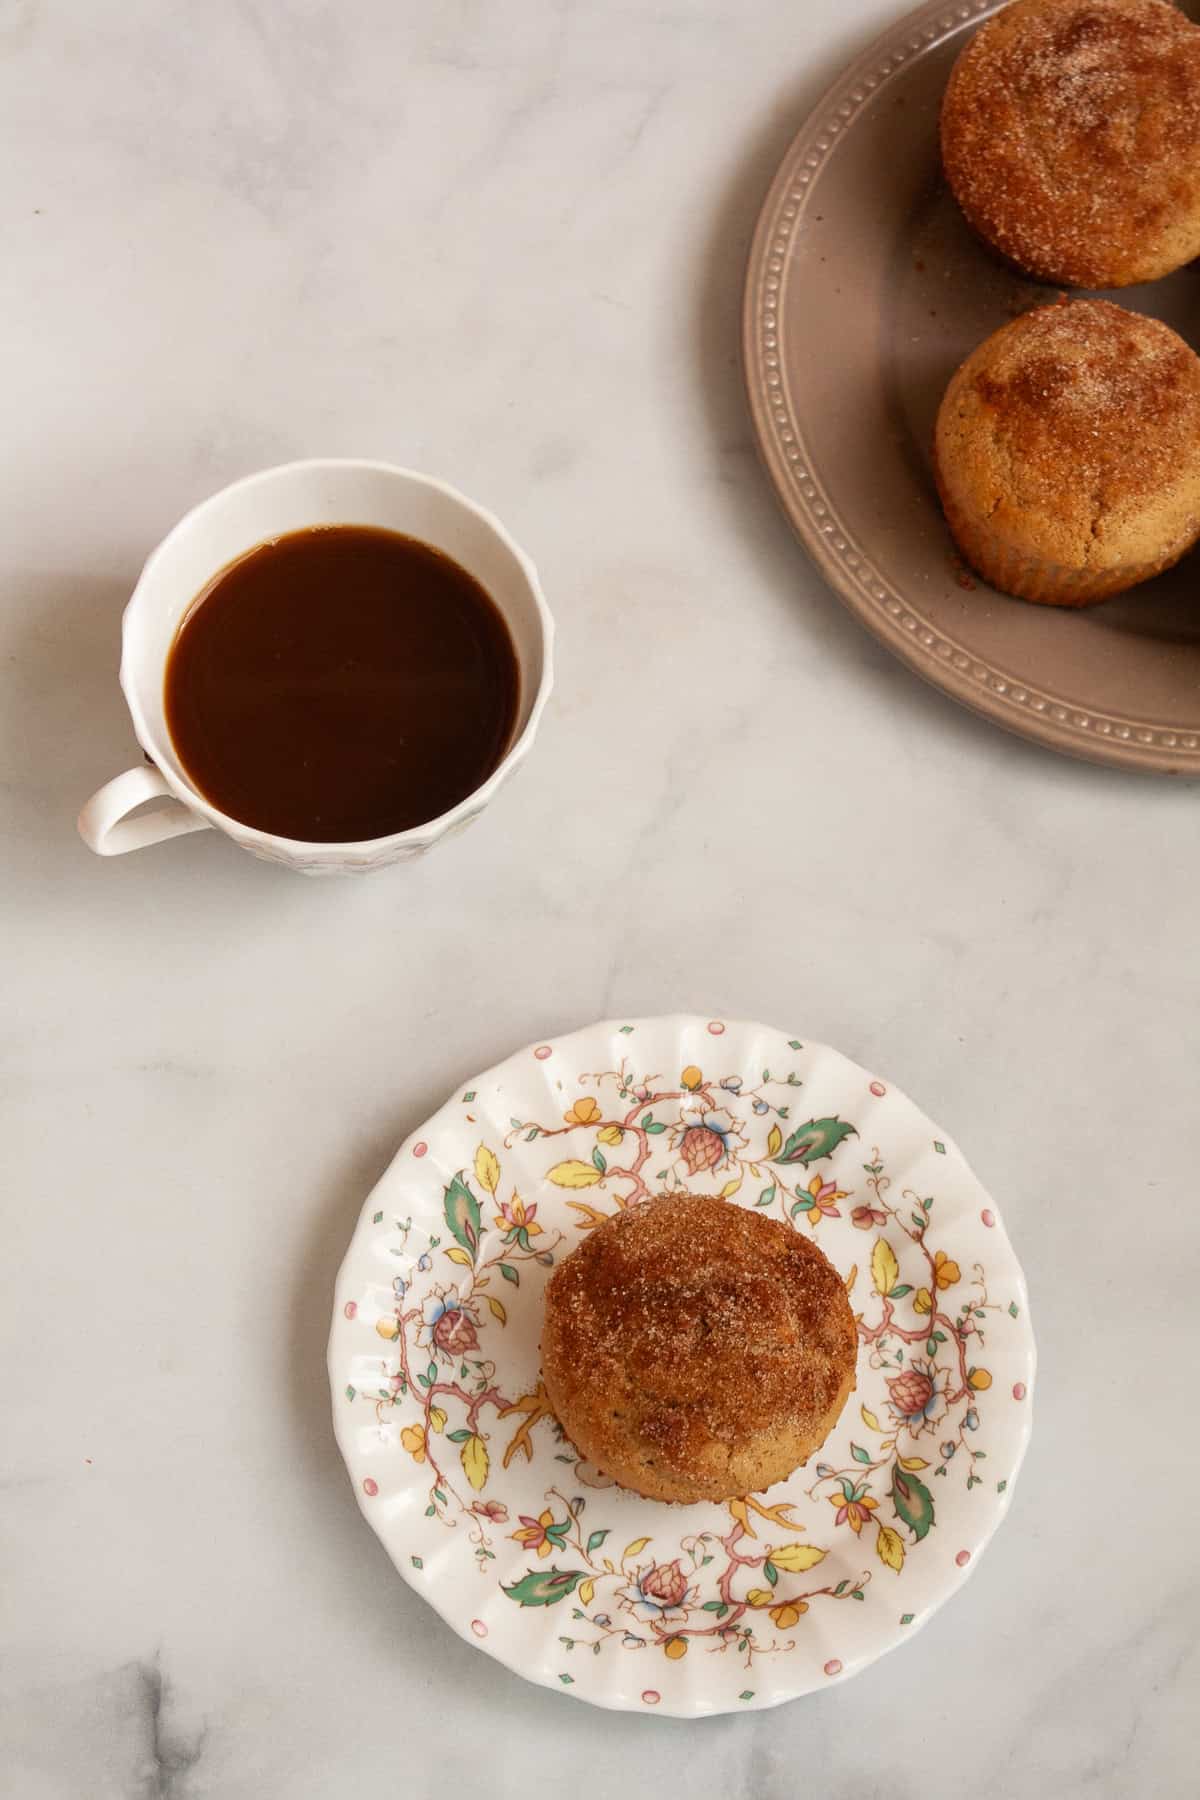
x=506, y=244
x=172, y=1756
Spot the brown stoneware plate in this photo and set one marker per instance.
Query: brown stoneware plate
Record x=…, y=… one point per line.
x=865, y=290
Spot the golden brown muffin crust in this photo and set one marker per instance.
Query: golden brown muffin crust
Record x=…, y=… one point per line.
x=687, y=1333
x=1073, y=435
x=1071, y=138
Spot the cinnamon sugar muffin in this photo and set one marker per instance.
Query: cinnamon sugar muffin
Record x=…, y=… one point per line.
x=1071, y=138
x=696, y=1351
x=1067, y=452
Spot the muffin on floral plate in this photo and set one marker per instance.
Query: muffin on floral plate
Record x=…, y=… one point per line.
x=694, y=1350
x=804, y=1203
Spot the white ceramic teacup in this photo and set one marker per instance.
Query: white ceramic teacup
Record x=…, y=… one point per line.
x=223, y=528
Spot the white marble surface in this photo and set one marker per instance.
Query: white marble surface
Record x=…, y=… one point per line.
x=504, y=243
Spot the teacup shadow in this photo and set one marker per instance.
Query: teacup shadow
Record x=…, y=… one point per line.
x=66, y=729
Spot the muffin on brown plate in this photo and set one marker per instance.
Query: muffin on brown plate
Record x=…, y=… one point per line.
x=696, y=1351
x=1067, y=452
x=1071, y=138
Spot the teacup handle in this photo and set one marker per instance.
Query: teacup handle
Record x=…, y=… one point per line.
x=103, y=824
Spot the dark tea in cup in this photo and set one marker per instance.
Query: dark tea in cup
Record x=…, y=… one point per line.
x=341, y=683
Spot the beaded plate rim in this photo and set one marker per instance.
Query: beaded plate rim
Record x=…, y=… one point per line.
x=841, y=557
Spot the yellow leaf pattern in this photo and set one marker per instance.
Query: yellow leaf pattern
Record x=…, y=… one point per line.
x=574, y=1174
x=587, y=1591
x=637, y=1545
x=437, y=1418
x=889, y=1547
x=774, y=1141
x=487, y=1168
x=796, y=1558
x=885, y=1270
x=474, y=1458
x=496, y=1308
x=869, y=1419
x=912, y=1463
x=457, y=1254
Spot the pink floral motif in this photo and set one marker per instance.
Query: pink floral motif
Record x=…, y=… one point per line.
x=447, y=1325
x=702, y=1149
x=543, y=1534
x=867, y=1217
x=658, y=1595
x=819, y=1200
x=515, y=1216
x=708, y=1138
x=918, y=1397
x=853, y=1508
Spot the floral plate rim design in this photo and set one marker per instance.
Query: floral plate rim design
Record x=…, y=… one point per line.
x=465, y=1476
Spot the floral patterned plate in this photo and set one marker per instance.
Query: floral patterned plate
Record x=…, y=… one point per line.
x=531, y=1553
